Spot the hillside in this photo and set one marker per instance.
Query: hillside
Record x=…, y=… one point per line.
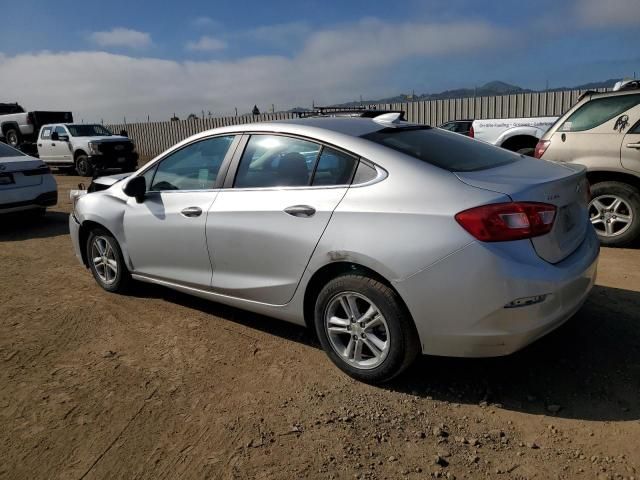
x=495, y=87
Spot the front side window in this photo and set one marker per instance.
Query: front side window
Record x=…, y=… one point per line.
x=61, y=132
x=194, y=167
x=276, y=161
x=334, y=168
x=597, y=112
x=46, y=133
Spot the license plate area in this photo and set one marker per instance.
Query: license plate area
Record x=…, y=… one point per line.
x=6, y=179
x=567, y=218
x=121, y=159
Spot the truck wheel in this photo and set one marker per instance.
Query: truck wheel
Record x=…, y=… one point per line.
x=12, y=137
x=615, y=213
x=83, y=167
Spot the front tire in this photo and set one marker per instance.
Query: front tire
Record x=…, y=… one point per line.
x=365, y=329
x=106, y=261
x=615, y=213
x=83, y=166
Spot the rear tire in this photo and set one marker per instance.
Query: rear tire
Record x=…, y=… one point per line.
x=83, y=167
x=106, y=261
x=371, y=348
x=12, y=137
x=615, y=213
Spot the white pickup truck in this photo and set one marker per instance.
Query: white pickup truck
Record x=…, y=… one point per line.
x=516, y=134
x=89, y=148
x=18, y=126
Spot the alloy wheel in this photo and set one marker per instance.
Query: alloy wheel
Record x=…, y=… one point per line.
x=610, y=215
x=12, y=138
x=357, y=330
x=104, y=260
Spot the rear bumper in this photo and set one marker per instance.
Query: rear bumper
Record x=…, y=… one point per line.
x=26, y=198
x=459, y=304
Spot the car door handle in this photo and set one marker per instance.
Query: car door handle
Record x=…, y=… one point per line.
x=300, y=211
x=192, y=212
x=633, y=145
x=39, y=144
x=53, y=144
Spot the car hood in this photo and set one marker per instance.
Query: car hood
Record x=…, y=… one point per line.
x=19, y=163
x=113, y=138
x=109, y=180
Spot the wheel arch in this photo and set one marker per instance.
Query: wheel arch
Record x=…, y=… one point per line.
x=518, y=141
x=83, y=235
x=332, y=270
x=10, y=124
x=78, y=152
x=597, y=176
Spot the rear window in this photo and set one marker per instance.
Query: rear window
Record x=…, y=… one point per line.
x=455, y=153
x=7, y=151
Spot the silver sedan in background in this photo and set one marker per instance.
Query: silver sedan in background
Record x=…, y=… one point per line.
x=389, y=238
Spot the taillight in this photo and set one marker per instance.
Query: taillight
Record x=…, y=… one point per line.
x=499, y=222
x=541, y=147
x=471, y=133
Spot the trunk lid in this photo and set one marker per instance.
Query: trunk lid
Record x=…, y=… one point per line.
x=19, y=164
x=531, y=180
x=20, y=171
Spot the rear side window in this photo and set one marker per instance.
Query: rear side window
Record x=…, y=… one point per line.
x=276, y=161
x=455, y=153
x=46, y=133
x=597, y=112
x=334, y=168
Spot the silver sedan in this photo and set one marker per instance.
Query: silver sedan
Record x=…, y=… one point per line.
x=389, y=239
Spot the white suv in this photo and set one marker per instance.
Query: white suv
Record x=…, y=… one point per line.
x=602, y=132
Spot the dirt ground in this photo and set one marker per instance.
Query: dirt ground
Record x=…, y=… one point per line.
x=161, y=385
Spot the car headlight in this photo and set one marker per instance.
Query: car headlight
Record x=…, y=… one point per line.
x=94, y=148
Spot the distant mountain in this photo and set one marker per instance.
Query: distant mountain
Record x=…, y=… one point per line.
x=495, y=87
x=590, y=86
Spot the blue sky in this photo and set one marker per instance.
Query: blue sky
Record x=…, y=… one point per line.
x=107, y=60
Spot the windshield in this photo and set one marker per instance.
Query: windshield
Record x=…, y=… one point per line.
x=7, y=151
x=443, y=149
x=88, y=131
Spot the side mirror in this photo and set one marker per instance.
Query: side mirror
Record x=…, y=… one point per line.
x=55, y=136
x=124, y=133
x=137, y=188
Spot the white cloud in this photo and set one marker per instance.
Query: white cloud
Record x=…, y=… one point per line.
x=330, y=66
x=121, y=37
x=207, y=44
x=607, y=13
